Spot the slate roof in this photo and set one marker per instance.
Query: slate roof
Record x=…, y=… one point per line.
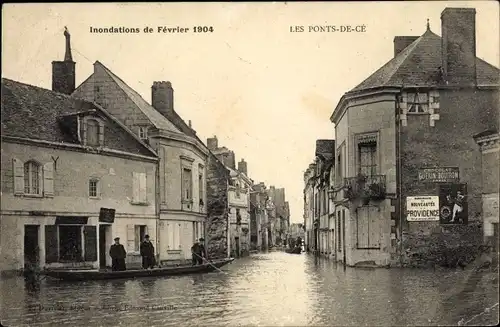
x=156, y=118
x=36, y=113
x=419, y=65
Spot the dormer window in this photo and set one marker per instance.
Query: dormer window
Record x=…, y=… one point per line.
x=418, y=103
x=143, y=132
x=93, y=131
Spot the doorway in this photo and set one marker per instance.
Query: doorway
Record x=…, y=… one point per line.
x=237, y=245
x=31, y=247
x=103, y=253
x=70, y=243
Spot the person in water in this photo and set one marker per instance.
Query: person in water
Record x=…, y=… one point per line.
x=198, y=252
x=118, y=254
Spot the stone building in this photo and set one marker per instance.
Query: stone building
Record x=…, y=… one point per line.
x=489, y=143
x=408, y=171
x=310, y=222
x=73, y=179
x=320, y=233
x=279, y=215
x=258, y=217
x=239, y=189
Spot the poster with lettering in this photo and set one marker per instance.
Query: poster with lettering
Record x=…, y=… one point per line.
x=422, y=208
x=453, y=204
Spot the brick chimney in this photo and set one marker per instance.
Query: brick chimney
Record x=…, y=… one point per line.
x=402, y=42
x=458, y=26
x=162, y=97
x=242, y=167
x=63, y=72
x=212, y=143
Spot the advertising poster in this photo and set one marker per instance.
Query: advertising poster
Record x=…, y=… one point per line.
x=453, y=204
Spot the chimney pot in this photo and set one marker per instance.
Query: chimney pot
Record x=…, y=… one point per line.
x=162, y=97
x=63, y=72
x=402, y=42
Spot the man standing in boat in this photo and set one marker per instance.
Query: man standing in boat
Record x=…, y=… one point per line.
x=197, y=251
x=147, y=253
x=203, y=251
x=118, y=254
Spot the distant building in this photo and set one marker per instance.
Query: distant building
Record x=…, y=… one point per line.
x=238, y=198
x=310, y=222
x=258, y=217
x=408, y=170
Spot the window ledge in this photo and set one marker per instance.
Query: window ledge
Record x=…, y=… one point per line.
x=417, y=113
x=30, y=195
x=138, y=203
x=174, y=251
x=187, y=201
x=95, y=197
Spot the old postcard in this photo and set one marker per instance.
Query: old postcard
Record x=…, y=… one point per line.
x=250, y=164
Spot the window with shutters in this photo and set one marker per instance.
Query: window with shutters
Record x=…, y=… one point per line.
x=32, y=178
x=201, y=194
x=139, y=188
x=143, y=132
x=368, y=228
x=367, y=158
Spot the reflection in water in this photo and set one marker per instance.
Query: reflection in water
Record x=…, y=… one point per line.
x=276, y=289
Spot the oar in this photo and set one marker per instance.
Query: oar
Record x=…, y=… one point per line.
x=208, y=262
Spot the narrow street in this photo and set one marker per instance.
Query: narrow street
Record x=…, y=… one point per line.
x=275, y=288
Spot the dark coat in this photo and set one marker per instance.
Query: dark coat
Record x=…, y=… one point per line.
x=147, y=249
x=117, y=251
x=196, y=248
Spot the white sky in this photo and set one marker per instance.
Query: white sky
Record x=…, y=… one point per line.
x=265, y=92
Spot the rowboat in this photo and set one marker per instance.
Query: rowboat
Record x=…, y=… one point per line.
x=295, y=250
x=85, y=275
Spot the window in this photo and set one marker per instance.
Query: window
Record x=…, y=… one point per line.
x=139, y=188
x=140, y=231
x=418, y=102
x=339, y=169
x=200, y=188
x=238, y=216
x=367, y=159
x=93, y=188
x=32, y=178
x=92, y=132
x=187, y=184
x=143, y=133
x=238, y=190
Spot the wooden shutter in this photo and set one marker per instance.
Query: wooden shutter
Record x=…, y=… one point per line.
x=48, y=179
x=374, y=227
x=363, y=229
x=18, y=170
x=90, y=243
x=51, y=244
x=135, y=187
x=170, y=236
x=130, y=238
x=142, y=187
x=150, y=185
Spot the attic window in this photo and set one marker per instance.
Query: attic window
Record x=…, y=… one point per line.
x=418, y=103
x=92, y=132
x=143, y=133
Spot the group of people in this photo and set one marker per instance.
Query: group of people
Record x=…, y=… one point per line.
x=118, y=254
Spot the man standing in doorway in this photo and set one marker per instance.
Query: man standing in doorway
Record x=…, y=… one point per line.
x=118, y=254
x=147, y=253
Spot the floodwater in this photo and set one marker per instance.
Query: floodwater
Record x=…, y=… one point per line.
x=267, y=289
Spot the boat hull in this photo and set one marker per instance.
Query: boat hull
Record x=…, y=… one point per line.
x=84, y=275
x=294, y=250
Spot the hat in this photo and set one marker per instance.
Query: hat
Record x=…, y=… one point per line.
x=201, y=239
x=146, y=236
x=116, y=238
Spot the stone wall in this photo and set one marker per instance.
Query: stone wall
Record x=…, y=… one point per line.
x=217, y=223
x=449, y=143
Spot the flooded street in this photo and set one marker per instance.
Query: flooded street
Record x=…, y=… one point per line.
x=276, y=289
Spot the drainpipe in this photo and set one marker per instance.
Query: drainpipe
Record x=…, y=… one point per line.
x=157, y=209
x=399, y=179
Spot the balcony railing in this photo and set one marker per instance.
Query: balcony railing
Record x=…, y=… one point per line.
x=365, y=188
